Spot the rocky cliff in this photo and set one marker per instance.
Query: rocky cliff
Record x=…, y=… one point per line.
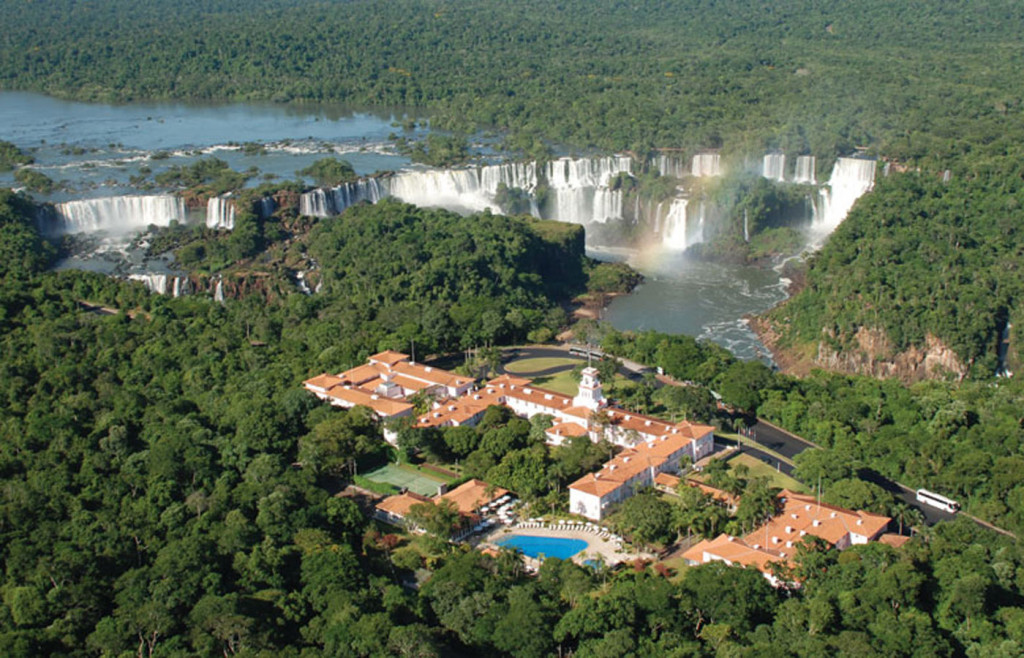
x=867, y=352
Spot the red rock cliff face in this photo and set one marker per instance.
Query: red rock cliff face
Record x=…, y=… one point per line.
x=870, y=353
x=874, y=355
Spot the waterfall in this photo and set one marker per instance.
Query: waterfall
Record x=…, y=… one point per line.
x=671, y=166
x=851, y=178
x=579, y=189
x=333, y=201
x=679, y=233
x=774, y=167
x=154, y=282
x=266, y=207
x=218, y=291
x=805, y=165
x=522, y=175
x=457, y=189
x=1004, y=347
x=706, y=164
x=746, y=226
x=569, y=173
x=164, y=284
x=120, y=214
x=220, y=213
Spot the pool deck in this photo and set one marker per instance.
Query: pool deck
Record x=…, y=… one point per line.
x=607, y=549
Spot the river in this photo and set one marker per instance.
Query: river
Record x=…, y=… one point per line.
x=95, y=150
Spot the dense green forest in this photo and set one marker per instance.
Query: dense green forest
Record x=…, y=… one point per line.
x=917, y=258
x=963, y=439
x=153, y=502
x=917, y=80
x=165, y=483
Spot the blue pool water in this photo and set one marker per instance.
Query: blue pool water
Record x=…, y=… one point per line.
x=534, y=546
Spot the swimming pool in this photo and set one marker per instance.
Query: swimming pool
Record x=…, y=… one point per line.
x=534, y=546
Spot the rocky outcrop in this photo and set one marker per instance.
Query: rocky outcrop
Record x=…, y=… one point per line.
x=870, y=352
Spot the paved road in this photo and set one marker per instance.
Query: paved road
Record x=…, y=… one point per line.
x=790, y=445
x=931, y=514
x=774, y=438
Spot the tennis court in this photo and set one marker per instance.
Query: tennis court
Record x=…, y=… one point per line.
x=406, y=479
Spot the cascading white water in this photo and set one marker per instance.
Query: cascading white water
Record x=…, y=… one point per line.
x=154, y=282
x=164, y=284
x=774, y=167
x=671, y=166
x=458, y=189
x=333, y=201
x=569, y=173
x=220, y=213
x=522, y=175
x=579, y=189
x=804, y=172
x=851, y=179
x=706, y=164
x=120, y=214
x=218, y=291
x=471, y=189
x=680, y=232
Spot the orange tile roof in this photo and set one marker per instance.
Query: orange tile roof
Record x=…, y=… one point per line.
x=411, y=383
x=734, y=550
x=458, y=412
x=472, y=495
x=521, y=389
x=567, y=429
x=431, y=374
x=360, y=375
x=399, y=504
x=666, y=480
x=389, y=357
x=802, y=514
x=894, y=540
x=721, y=495
x=510, y=380
x=323, y=381
x=630, y=463
x=383, y=406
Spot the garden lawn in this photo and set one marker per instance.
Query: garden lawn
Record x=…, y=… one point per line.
x=760, y=469
x=527, y=366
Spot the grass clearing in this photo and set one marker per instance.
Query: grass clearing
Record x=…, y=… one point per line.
x=526, y=366
x=561, y=383
x=757, y=468
x=406, y=478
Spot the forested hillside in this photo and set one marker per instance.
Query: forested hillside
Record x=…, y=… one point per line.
x=916, y=80
x=917, y=260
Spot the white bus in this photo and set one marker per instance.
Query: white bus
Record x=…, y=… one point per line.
x=935, y=500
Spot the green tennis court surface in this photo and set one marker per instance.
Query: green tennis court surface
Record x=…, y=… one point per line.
x=411, y=480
